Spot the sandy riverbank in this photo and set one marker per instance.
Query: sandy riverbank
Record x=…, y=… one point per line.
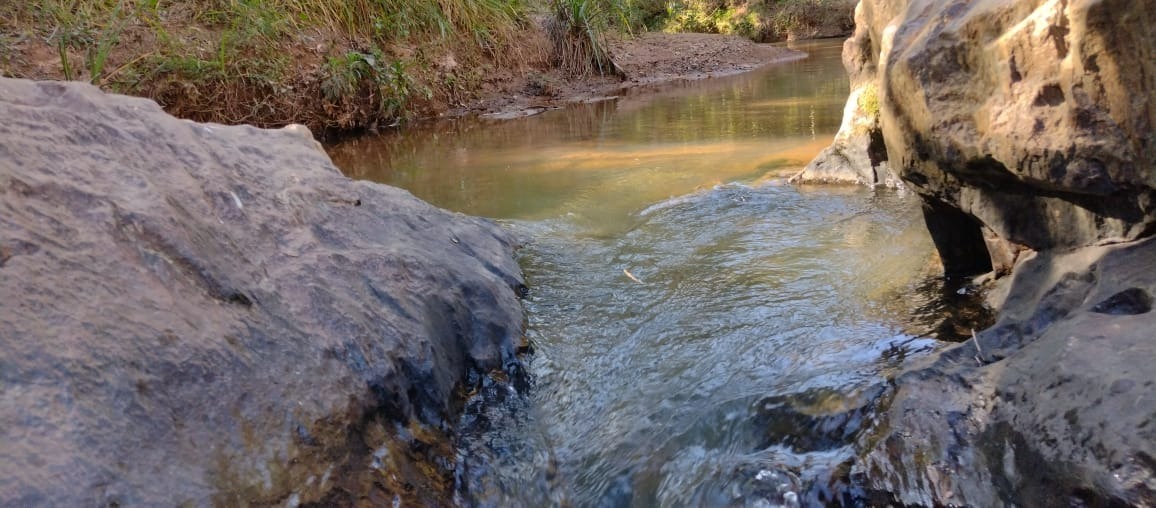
x=648, y=59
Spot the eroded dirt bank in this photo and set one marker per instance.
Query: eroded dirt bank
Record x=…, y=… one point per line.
x=201, y=68
x=1026, y=129
x=648, y=59
x=209, y=315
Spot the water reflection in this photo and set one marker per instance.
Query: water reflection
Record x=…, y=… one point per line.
x=607, y=159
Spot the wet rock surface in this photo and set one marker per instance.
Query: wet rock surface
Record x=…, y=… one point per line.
x=1051, y=406
x=201, y=314
x=1026, y=129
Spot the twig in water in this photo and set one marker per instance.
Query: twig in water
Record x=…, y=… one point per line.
x=631, y=275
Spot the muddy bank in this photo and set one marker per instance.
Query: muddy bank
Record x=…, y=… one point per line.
x=338, y=83
x=1025, y=130
x=647, y=60
x=203, y=314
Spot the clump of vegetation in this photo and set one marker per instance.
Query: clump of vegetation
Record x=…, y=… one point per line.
x=868, y=101
x=759, y=20
x=328, y=64
x=577, y=31
x=371, y=78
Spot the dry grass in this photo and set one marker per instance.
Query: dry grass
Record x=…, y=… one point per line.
x=577, y=31
x=330, y=65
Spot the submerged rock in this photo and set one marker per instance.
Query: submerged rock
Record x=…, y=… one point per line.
x=202, y=314
x=1026, y=128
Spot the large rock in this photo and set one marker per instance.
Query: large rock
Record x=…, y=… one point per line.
x=857, y=155
x=201, y=314
x=1033, y=119
x=1026, y=128
x=1052, y=406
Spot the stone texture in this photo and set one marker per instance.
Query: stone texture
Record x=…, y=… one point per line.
x=857, y=155
x=1055, y=405
x=194, y=313
x=1026, y=128
x=1035, y=117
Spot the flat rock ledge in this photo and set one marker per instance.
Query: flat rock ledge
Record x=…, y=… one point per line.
x=195, y=314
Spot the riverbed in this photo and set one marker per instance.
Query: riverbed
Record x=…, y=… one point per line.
x=703, y=333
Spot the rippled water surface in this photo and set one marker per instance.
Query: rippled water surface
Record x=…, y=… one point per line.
x=704, y=335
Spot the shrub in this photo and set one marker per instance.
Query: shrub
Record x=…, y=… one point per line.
x=760, y=20
x=577, y=31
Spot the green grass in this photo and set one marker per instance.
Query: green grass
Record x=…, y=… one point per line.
x=226, y=60
x=760, y=20
x=389, y=82
x=90, y=28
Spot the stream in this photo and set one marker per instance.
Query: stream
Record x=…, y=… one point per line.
x=703, y=334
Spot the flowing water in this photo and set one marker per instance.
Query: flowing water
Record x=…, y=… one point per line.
x=703, y=334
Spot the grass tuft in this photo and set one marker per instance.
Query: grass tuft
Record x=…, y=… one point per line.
x=577, y=31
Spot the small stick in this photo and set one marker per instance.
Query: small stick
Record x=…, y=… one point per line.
x=631, y=275
x=104, y=79
x=977, y=348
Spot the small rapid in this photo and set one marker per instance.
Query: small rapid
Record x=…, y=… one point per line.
x=703, y=335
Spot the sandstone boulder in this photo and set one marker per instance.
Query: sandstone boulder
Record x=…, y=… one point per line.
x=1033, y=119
x=1026, y=128
x=1052, y=406
x=209, y=315
x=857, y=155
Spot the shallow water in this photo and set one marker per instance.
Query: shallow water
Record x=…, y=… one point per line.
x=605, y=161
x=703, y=334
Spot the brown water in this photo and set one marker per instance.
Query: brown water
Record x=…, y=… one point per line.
x=704, y=335
x=605, y=160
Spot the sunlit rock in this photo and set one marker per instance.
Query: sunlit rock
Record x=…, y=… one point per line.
x=1027, y=130
x=857, y=155
x=209, y=315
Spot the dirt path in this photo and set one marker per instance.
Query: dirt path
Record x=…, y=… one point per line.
x=649, y=59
